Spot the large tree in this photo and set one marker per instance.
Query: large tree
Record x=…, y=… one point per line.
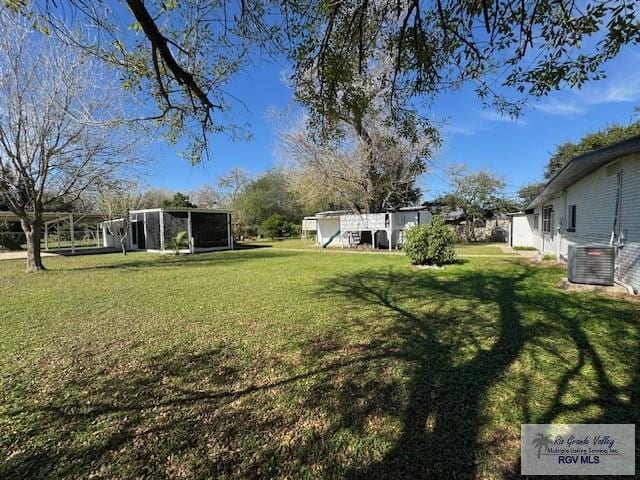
x=362, y=64
x=530, y=47
x=369, y=175
x=180, y=55
x=155, y=197
x=266, y=195
x=364, y=114
x=528, y=192
x=231, y=186
x=479, y=195
x=178, y=200
x=205, y=196
x=176, y=56
x=592, y=141
x=60, y=132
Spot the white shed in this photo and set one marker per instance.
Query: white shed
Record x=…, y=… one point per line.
x=343, y=228
x=521, y=229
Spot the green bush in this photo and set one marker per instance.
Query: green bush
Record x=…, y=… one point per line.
x=10, y=238
x=430, y=244
x=275, y=226
x=180, y=240
x=295, y=229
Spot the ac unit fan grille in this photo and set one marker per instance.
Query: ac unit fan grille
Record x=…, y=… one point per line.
x=591, y=264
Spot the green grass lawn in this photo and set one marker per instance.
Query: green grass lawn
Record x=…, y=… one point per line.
x=309, y=244
x=268, y=363
x=481, y=249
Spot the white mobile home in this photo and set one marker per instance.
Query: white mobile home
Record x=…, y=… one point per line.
x=593, y=200
x=343, y=228
x=153, y=229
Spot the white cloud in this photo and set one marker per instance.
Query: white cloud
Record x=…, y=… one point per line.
x=465, y=130
x=560, y=108
x=602, y=92
x=493, y=116
x=612, y=92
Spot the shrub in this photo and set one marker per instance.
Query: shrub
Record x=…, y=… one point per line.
x=180, y=240
x=10, y=238
x=245, y=231
x=430, y=244
x=295, y=229
x=275, y=226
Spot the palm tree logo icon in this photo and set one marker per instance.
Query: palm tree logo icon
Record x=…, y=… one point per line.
x=541, y=441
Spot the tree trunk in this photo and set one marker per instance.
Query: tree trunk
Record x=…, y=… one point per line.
x=370, y=181
x=33, y=231
x=123, y=237
x=471, y=235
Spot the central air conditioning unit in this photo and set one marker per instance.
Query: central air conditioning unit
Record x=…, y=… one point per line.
x=591, y=264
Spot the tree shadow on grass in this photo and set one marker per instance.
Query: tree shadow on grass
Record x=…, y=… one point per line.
x=403, y=390
x=442, y=412
x=151, y=260
x=459, y=352
x=194, y=414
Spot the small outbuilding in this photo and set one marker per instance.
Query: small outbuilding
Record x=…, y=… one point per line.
x=153, y=230
x=343, y=228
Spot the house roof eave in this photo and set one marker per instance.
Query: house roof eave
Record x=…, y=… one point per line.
x=581, y=166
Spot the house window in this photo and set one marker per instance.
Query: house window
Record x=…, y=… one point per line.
x=571, y=219
x=546, y=219
x=536, y=222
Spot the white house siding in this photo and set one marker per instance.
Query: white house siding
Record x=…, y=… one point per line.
x=383, y=226
x=364, y=222
x=406, y=219
x=630, y=222
x=309, y=224
x=595, y=199
x=327, y=227
x=551, y=243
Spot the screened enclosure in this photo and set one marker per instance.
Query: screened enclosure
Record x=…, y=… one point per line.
x=210, y=230
x=173, y=223
x=158, y=230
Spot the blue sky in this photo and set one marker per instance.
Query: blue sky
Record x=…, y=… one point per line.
x=480, y=138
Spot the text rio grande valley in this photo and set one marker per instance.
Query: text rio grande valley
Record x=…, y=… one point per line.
x=582, y=450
